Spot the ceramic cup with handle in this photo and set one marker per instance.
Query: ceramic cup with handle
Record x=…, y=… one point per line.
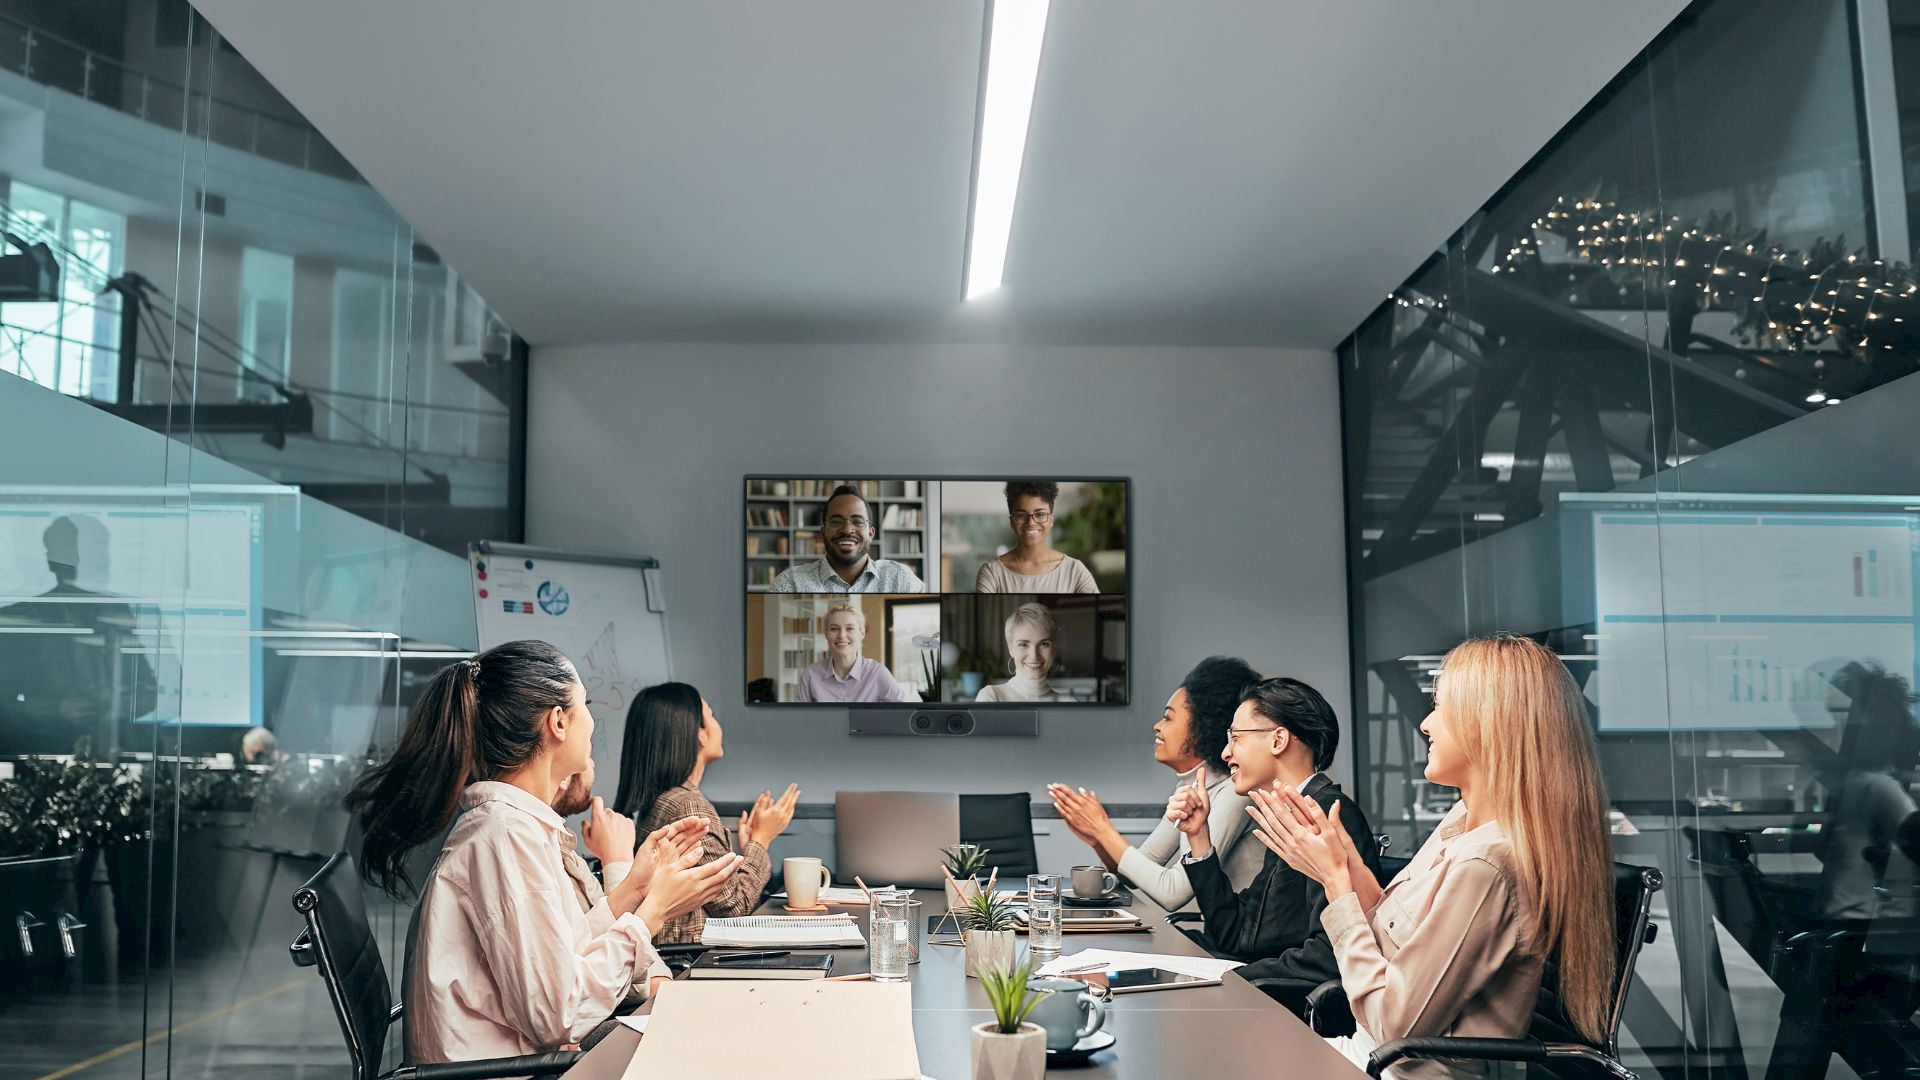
x=1093, y=882
x=1068, y=1011
x=804, y=878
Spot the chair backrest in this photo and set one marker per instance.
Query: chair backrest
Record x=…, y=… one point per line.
x=1003, y=824
x=893, y=837
x=342, y=944
x=1633, y=889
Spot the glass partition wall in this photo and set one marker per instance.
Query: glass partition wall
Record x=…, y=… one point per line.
x=1652, y=406
x=248, y=423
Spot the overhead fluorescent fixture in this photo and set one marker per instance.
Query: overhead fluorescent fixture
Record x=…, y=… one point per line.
x=1014, y=37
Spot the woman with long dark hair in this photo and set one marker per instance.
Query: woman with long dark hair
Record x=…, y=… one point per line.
x=505, y=962
x=672, y=736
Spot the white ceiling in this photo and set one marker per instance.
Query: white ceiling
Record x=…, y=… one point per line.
x=1210, y=171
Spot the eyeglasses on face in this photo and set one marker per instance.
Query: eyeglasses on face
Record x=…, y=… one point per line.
x=1039, y=517
x=1234, y=733
x=838, y=522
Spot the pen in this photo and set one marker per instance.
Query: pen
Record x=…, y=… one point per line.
x=757, y=954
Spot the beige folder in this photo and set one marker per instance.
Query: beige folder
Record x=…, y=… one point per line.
x=754, y=1030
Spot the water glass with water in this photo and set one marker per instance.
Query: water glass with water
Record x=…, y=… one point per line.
x=890, y=937
x=1043, y=913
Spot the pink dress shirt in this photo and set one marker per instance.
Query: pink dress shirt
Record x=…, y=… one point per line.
x=506, y=961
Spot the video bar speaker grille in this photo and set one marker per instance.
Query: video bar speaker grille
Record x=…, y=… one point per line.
x=935, y=721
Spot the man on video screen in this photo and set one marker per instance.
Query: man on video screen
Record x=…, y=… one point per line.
x=846, y=535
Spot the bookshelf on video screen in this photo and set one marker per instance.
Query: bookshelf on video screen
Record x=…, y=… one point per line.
x=982, y=591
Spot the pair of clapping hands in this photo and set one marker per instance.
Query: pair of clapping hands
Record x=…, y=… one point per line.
x=1291, y=826
x=667, y=878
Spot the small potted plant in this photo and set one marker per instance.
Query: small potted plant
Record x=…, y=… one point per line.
x=986, y=925
x=964, y=863
x=1007, y=1047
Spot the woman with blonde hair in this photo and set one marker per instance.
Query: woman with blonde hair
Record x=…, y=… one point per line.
x=1518, y=871
x=844, y=674
x=1032, y=643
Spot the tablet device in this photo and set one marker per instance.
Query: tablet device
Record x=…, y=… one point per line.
x=1095, y=915
x=1140, y=980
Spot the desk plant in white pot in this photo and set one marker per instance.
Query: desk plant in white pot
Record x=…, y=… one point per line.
x=986, y=925
x=963, y=864
x=1007, y=1047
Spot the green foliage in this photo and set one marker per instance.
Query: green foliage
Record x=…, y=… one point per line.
x=1007, y=991
x=965, y=860
x=52, y=807
x=987, y=911
x=1099, y=524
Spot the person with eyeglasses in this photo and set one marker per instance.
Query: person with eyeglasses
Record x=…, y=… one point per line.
x=848, y=566
x=1033, y=566
x=1188, y=738
x=1283, y=737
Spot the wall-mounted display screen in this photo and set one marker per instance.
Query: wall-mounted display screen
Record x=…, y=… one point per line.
x=979, y=591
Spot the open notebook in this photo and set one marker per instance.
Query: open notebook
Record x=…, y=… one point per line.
x=788, y=931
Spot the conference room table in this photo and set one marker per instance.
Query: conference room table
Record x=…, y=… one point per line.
x=1225, y=1031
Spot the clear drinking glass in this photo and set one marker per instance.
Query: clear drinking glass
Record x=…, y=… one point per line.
x=889, y=938
x=1043, y=913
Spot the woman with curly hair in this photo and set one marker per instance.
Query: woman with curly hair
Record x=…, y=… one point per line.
x=1033, y=566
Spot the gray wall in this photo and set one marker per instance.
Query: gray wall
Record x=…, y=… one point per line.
x=1238, y=542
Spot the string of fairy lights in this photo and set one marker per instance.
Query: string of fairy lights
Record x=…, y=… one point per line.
x=1823, y=300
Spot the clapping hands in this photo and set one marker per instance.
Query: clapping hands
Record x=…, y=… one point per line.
x=1311, y=841
x=769, y=817
x=1188, y=809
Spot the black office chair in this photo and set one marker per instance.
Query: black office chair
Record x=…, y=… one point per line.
x=339, y=941
x=1003, y=824
x=1552, y=1041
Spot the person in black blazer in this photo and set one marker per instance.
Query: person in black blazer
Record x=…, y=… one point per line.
x=1284, y=734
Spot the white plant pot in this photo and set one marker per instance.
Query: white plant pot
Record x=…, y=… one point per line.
x=959, y=892
x=989, y=949
x=1019, y=1056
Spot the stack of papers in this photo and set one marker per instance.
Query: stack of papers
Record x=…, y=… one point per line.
x=1204, y=967
x=860, y=1029
x=788, y=931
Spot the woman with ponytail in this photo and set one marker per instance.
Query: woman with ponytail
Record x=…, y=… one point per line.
x=1518, y=871
x=505, y=962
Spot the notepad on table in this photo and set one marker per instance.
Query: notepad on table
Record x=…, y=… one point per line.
x=791, y=931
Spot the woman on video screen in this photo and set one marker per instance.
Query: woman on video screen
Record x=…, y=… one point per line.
x=1033, y=566
x=845, y=675
x=1031, y=636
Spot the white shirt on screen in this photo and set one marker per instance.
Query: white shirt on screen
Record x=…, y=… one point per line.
x=1021, y=688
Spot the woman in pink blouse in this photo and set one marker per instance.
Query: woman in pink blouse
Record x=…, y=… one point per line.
x=505, y=961
x=1517, y=871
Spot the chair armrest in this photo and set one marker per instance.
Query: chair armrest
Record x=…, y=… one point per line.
x=303, y=951
x=1440, y=1046
x=1327, y=1010
x=492, y=1068
x=1289, y=992
x=1184, y=918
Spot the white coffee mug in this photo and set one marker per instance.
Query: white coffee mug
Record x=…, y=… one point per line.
x=1093, y=882
x=804, y=878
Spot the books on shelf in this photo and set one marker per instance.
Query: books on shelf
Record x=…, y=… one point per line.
x=767, y=517
x=821, y=489
x=896, y=516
